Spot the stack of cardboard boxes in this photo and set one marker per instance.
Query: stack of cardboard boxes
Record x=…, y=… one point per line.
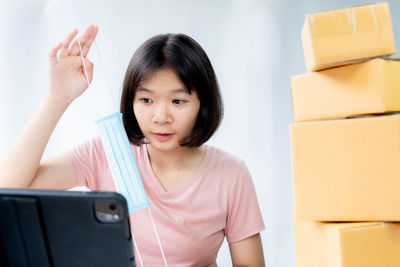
x=345, y=141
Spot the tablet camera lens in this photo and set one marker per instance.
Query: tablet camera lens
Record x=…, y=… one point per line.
x=108, y=211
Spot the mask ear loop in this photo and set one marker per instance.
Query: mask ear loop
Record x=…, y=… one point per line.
x=83, y=62
x=104, y=70
x=106, y=76
x=148, y=208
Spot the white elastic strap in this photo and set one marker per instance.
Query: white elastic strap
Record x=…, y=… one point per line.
x=137, y=249
x=158, y=239
x=106, y=76
x=83, y=62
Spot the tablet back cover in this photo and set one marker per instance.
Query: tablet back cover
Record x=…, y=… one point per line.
x=64, y=228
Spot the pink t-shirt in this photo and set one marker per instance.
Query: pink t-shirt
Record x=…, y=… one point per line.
x=192, y=220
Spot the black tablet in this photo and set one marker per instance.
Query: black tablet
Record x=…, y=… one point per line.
x=64, y=228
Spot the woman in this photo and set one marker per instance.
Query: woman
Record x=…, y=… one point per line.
x=171, y=106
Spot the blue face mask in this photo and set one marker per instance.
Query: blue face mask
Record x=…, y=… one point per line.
x=122, y=161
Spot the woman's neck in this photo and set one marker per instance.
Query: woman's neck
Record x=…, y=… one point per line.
x=175, y=159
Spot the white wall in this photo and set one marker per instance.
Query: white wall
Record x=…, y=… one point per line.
x=254, y=46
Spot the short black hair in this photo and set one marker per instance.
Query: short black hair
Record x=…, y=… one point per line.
x=188, y=60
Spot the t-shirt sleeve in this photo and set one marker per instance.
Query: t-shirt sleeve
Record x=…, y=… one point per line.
x=244, y=215
x=86, y=162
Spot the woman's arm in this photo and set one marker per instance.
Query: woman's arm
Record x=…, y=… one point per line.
x=67, y=81
x=19, y=167
x=247, y=252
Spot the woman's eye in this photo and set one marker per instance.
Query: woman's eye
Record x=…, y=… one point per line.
x=146, y=100
x=178, y=101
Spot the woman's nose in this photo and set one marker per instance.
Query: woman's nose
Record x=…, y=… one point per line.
x=161, y=115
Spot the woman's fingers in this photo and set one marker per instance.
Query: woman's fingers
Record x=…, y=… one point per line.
x=89, y=69
x=65, y=44
x=86, y=40
x=64, y=48
x=53, y=53
x=88, y=44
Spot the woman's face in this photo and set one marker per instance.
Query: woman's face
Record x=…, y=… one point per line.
x=164, y=109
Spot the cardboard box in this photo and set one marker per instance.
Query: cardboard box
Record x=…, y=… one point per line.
x=362, y=88
x=347, y=170
x=371, y=244
x=344, y=36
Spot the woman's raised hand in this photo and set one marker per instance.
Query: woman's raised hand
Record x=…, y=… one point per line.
x=67, y=78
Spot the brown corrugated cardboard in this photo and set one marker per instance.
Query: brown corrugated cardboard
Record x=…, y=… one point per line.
x=347, y=244
x=343, y=36
x=347, y=170
x=362, y=88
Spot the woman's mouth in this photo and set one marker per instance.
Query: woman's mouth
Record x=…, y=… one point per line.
x=162, y=136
